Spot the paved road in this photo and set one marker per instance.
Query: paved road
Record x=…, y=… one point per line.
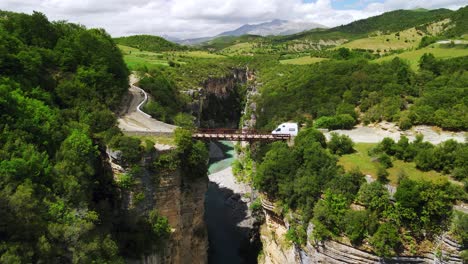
x=135, y=120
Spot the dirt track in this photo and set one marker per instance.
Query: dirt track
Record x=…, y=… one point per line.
x=135, y=120
x=375, y=133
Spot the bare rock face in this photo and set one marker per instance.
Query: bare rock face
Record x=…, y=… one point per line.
x=182, y=202
x=179, y=198
x=219, y=102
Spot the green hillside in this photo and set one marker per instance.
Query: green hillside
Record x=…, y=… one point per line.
x=394, y=21
x=388, y=22
x=149, y=43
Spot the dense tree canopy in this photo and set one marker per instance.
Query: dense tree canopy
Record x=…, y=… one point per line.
x=332, y=91
x=307, y=179
x=58, y=201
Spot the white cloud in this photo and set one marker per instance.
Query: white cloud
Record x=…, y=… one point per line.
x=196, y=18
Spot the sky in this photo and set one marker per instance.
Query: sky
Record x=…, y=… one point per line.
x=199, y=18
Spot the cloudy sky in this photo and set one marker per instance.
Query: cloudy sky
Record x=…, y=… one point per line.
x=197, y=18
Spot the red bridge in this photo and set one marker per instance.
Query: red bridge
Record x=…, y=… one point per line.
x=238, y=135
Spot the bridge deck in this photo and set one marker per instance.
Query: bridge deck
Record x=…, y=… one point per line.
x=237, y=135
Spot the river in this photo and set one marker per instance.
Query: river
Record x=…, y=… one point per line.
x=226, y=211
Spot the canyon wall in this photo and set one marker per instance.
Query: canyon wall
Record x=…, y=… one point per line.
x=180, y=199
x=219, y=103
x=277, y=250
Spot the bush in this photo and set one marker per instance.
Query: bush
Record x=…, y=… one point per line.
x=359, y=224
x=386, y=240
x=160, y=225
x=155, y=110
x=130, y=148
x=184, y=120
x=297, y=234
x=382, y=175
x=193, y=155
x=167, y=161
x=343, y=121
x=459, y=228
x=385, y=161
x=374, y=196
x=125, y=181
x=256, y=205
x=340, y=145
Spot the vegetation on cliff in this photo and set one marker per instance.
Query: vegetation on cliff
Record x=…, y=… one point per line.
x=305, y=178
x=59, y=202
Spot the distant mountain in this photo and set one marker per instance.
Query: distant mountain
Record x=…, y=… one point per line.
x=194, y=41
x=275, y=27
x=149, y=43
x=170, y=38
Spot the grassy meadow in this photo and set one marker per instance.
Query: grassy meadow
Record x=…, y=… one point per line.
x=135, y=58
x=364, y=162
x=402, y=40
x=413, y=56
x=303, y=60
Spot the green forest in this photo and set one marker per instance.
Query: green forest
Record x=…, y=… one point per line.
x=59, y=83
x=306, y=180
x=149, y=43
x=339, y=94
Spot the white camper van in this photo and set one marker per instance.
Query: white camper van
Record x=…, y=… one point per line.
x=286, y=128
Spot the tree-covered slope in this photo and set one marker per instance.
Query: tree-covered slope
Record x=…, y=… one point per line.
x=58, y=200
x=388, y=22
x=149, y=43
x=353, y=89
x=394, y=21
x=459, y=23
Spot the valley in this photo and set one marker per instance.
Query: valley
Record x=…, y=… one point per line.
x=98, y=157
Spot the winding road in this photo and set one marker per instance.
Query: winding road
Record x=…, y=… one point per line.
x=134, y=120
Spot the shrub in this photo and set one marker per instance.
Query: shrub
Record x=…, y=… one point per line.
x=297, y=234
x=386, y=240
x=340, y=144
x=382, y=175
x=374, y=196
x=160, y=225
x=184, y=120
x=256, y=205
x=343, y=121
x=125, y=181
x=385, y=160
x=130, y=147
x=356, y=226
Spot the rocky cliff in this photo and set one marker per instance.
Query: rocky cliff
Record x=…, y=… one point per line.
x=219, y=102
x=277, y=250
x=178, y=198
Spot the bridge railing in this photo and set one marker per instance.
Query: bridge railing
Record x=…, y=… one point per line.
x=232, y=131
x=238, y=134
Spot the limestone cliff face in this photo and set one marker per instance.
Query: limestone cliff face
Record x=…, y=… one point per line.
x=219, y=102
x=180, y=199
x=276, y=250
x=182, y=202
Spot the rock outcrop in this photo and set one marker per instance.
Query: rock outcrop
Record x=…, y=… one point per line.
x=180, y=199
x=219, y=103
x=276, y=250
